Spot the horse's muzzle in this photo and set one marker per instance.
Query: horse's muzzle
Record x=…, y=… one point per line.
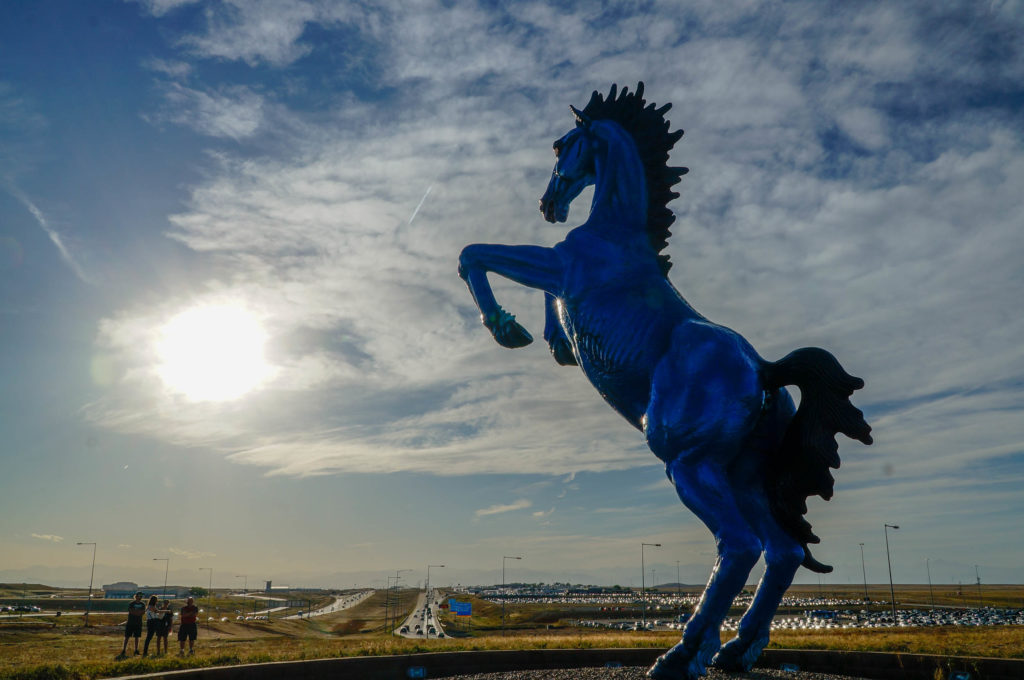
x=547, y=208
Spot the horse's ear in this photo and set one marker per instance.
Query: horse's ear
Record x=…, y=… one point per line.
x=582, y=119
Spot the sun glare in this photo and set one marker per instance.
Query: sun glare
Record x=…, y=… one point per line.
x=212, y=353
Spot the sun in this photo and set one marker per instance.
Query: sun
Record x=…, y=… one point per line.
x=212, y=353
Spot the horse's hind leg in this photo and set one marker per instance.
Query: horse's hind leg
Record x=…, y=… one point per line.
x=705, y=489
x=783, y=555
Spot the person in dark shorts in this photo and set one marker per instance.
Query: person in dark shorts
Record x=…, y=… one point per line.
x=187, y=628
x=154, y=623
x=133, y=626
x=166, y=623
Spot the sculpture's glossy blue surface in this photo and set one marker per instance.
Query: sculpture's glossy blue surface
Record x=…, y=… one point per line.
x=742, y=458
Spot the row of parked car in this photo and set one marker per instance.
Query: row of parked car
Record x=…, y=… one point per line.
x=20, y=608
x=823, y=619
x=651, y=624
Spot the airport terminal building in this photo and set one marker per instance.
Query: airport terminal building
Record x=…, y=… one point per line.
x=125, y=590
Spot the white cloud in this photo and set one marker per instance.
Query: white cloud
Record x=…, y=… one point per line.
x=234, y=112
x=256, y=31
x=520, y=504
x=190, y=554
x=171, y=68
x=161, y=7
x=866, y=127
x=48, y=537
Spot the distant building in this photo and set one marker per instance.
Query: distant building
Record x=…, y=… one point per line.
x=125, y=590
x=121, y=590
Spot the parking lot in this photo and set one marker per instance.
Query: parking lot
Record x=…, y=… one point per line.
x=841, y=618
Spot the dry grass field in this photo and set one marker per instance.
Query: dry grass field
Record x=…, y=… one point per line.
x=60, y=647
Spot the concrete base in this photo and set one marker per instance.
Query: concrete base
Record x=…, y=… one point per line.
x=874, y=665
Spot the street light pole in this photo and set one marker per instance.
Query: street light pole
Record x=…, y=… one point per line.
x=167, y=566
x=387, y=600
x=245, y=590
x=643, y=584
x=931, y=595
x=504, y=595
x=398, y=597
x=892, y=590
x=977, y=575
x=426, y=588
x=209, y=596
x=864, y=572
x=88, y=606
x=679, y=593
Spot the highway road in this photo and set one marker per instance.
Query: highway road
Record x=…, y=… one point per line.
x=339, y=604
x=423, y=622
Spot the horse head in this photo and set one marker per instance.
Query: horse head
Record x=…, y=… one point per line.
x=574, y=169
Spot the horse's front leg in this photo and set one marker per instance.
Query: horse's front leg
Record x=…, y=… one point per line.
x=532, y=266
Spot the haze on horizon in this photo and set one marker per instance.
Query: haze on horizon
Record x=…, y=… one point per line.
x=232, y=333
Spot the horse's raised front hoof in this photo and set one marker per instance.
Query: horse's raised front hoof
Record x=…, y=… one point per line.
x=738, y=654
x=562, y=351
x=506, y=330
x=512, y=335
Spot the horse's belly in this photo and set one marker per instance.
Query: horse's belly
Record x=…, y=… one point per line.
x=618, y=356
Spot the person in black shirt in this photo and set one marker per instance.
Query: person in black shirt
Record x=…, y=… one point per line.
x=133, y=626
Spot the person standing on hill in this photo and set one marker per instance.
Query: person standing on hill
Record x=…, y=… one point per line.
x=154, y=624
x=187, y=627
x=167, y=621
x=133, y=626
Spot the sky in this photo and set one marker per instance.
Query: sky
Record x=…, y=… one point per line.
x=232, y=334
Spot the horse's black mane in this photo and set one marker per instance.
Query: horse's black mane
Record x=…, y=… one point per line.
x=649, y=130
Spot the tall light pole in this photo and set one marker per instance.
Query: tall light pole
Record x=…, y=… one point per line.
x=387, y=600
x=167, y=566
x=209, y=595
x=864, y=572
x=398, y=597
x=88, y=606
x=977, y=575
x=892, y=590
x=504, y=595
x=426, y=587
x=245, y=589
x=931, y=595
x=643, y=584
x=679, y=593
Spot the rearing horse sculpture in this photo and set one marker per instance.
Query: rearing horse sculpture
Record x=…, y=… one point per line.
x=741, y=456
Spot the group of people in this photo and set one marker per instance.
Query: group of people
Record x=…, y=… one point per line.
x=159, y=618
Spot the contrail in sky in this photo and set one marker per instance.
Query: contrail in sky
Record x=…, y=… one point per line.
x=414, y=212
x=54, y=236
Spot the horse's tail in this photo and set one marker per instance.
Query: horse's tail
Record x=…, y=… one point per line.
x=800, y=467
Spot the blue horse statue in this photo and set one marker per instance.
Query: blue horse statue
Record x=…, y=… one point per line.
x=742, y=457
